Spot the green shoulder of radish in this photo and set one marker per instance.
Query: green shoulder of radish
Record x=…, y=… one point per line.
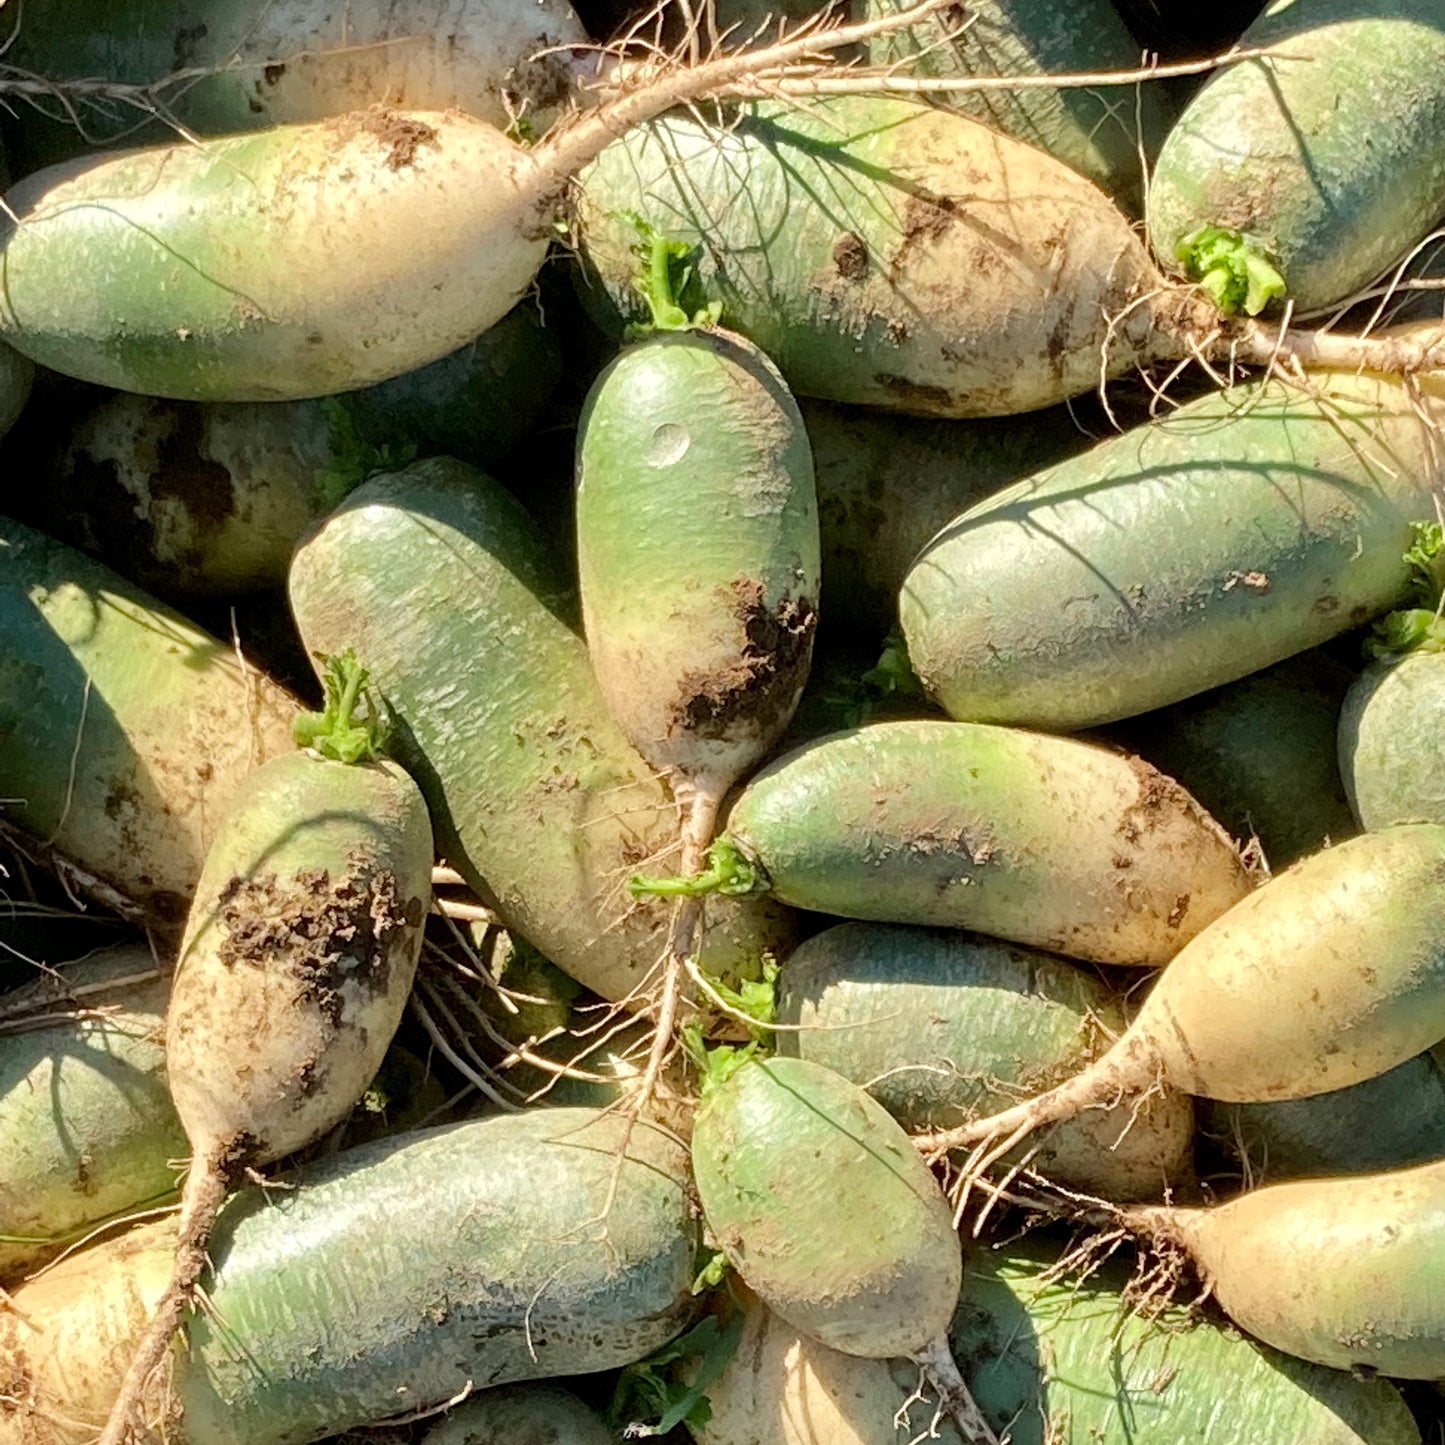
x=942, y=1026
x=1327, y=152
x=1047, y=841
x=857, y=1247
x=442, y=581
x=1392, y=725
x=294, y=968
x=87, y=1128
x=220, y=66
x=127, y=730
x=1330, y=973
x=1246, y=526
x=16, y=375
x=407, y=1270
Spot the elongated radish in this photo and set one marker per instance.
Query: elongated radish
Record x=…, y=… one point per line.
x=1107, y=133
x=241, y=65
x=87, y=1128
x=1328, y=974
x=1327, y=151
x=1259, y=754
x=127, y=730
x=1047, y=841
x=1051, y=1361
x=698, y=555
x=324, y=1313
x=940, y=1027
x=888, y=253
x=1338, y=1271
x=294, y=968
x=441, y=580
x=521, y=1415
x=876, y=1278
x=1248, y=525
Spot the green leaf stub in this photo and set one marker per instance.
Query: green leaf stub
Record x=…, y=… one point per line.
x=1233, y=268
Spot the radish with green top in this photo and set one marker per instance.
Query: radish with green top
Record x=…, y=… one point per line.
x=1341, y=1272
x=1046, y=841
x=1244, y=527
x=87, y=1128
x=437, y=575
x=892, y=254
x=294, y=969
x=1331, y=973
x=940, y=1027
x=1390, y=727
x=1325, y=156
x=521, y=1415
x=819, y=1203
x=284, y=264
x=127, y=730
x=409, y=1271
x=698, y=555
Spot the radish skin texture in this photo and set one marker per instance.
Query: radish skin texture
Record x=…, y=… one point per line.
x=127, y=730
x=1106, y=133
x=877, y=1278
x=1045, y=841
x=1245, y=527
x=1260, y=754
x=303, y=281
x=299, y=952
x=324, y=1307
x=1390, y=741
x=940, y=1027
x=1330, y=152
x=442, y=582
x=284, y=61
x=887, y=483
x=1388, y=1122
x=880, y=251
x=697, y=540
x=1055, y=1362
x=1341, y=1272
x=87, y=1128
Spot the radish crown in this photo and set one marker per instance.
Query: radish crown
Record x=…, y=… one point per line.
x=353, y=725
x=1233, y=268
x=666, y=282
x=729, y=871
x=1420, y=626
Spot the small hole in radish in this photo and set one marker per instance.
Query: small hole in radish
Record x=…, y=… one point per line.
x=669, y=445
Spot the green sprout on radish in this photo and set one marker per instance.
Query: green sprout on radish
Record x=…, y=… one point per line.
x=729, y=872
x=1419, y=627
x=668, y=283
x=649, y=1400
x=1233, y=268
x=353, y=725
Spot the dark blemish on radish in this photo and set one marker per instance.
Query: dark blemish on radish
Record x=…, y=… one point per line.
x=850, y=256
x=916, y=395
x=403, y=135
x=763, y=684
x=327, y=933
x=272, y=73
